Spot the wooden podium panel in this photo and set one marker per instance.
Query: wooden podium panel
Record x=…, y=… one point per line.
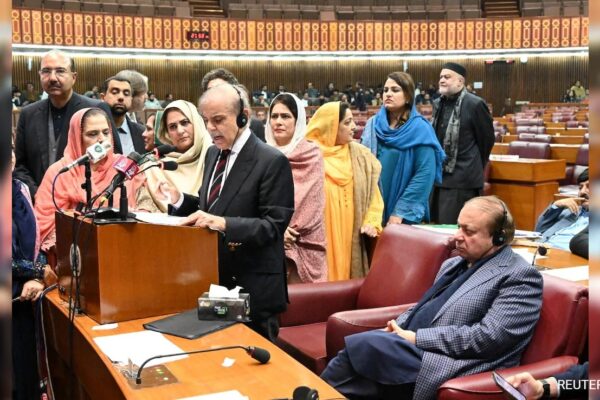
x=95, y=377
x=131, y=271
x=527, y=170
x=527, y=186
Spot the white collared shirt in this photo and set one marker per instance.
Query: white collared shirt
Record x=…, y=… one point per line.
x=238, y=145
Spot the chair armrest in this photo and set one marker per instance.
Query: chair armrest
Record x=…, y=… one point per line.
x=314, y=302
x=345, y=323
x=482, y=385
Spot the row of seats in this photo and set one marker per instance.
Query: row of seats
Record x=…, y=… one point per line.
x=146, y=8
x=553, y=8
x=428, y=3
x=404, y=265
x=347, y=12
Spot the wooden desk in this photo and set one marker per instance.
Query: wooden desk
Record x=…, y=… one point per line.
x=526, y=185
x=558, y=258
x=96, y=378
x=553, y=140
x=567, y=131
x=567, y=152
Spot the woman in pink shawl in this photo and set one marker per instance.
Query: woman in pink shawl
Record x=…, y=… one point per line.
x=87, y=126
x=304, y=238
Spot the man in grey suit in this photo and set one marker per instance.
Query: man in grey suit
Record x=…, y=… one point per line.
x=43, y=126
x=247, y=194
x=117, y=93
x=479, y=315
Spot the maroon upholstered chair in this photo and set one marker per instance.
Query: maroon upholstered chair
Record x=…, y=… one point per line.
x=405, y=263
x=572, y=172
x=559, y=338
x=527, y=137
x=529, y=149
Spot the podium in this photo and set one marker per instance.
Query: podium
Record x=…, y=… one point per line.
x=132, y=271
x=527, y=186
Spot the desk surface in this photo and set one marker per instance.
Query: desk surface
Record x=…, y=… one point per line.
x=558, y=258
x=198, y=374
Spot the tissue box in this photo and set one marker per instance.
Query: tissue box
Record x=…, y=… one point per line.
x=224, y=309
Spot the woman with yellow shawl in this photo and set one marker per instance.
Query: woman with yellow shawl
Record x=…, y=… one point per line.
x=182, y=127
x=353, y=202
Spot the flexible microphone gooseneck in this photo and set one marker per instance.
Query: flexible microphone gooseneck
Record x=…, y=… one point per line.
x=541, y=250
x=261, y=355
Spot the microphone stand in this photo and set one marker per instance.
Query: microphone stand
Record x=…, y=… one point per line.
x=123, y=204
x=87, y=185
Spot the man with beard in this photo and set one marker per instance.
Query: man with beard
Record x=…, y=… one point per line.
x=463, y=125
x=43, y=126
x=565, y=218
x=117, y=93
x=139, y=86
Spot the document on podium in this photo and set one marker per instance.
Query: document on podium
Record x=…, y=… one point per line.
x=138, y=347
x=158, y=218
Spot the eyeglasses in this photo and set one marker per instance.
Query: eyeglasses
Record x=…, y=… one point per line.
x=60, y=72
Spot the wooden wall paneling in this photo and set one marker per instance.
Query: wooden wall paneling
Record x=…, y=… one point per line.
x=541, y=79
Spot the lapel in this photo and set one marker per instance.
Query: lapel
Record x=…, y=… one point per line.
x=136, y=135
x=209, y=165
x=240, y=170
x=40, y=119
x=485, y=272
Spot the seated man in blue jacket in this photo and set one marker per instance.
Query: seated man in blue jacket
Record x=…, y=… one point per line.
x=478, y=316
x=566, y=217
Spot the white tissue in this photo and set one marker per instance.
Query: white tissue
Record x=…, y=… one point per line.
x=216, y=291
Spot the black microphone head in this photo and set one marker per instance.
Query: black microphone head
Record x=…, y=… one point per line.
x=165, y=149
x=542, y=250
x=135, y=156
x=305, y=393
x=261, y=355
x=169, y=165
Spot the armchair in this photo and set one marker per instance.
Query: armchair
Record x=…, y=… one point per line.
x=405, y=263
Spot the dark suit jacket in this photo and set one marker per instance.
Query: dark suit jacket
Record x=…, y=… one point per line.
x=575, y=373
x=136, y=130
x=257, y=201
x=257, y=128
x=475, y=141
x=31, y=147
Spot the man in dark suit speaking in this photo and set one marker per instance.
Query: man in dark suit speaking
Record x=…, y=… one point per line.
x=247, y=194
x=43, y=126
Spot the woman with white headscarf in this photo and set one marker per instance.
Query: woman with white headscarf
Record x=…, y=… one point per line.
x=305, y=236
x=182, y=127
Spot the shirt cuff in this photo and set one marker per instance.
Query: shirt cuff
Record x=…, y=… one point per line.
x=179, y=202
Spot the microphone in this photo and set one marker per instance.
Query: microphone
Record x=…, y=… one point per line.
x=163, y=150
x=168, y=165
x=542, y=250
x=127, y=168
x=93, y=153
x=261, y=355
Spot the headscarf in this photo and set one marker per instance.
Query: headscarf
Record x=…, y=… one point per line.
x=187, y=178
x=68, y=192
x=157, y=120
x=299, y=132
x=417, y=131
x=308, y=252
x=322, y=129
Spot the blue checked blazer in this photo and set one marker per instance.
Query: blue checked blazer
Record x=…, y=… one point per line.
x=484, y=325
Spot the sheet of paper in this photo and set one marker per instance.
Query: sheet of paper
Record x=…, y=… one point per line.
x=158, y=218
x=574, y=274
x=527, y=234
x=138, y=346
x=229, y=395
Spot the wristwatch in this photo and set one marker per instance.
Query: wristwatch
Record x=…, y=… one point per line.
x=546, y=387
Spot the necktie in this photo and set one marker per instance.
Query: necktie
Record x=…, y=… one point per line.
x=215, y=187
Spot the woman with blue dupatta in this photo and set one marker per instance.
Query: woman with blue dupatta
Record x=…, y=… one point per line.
x=409, y=151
